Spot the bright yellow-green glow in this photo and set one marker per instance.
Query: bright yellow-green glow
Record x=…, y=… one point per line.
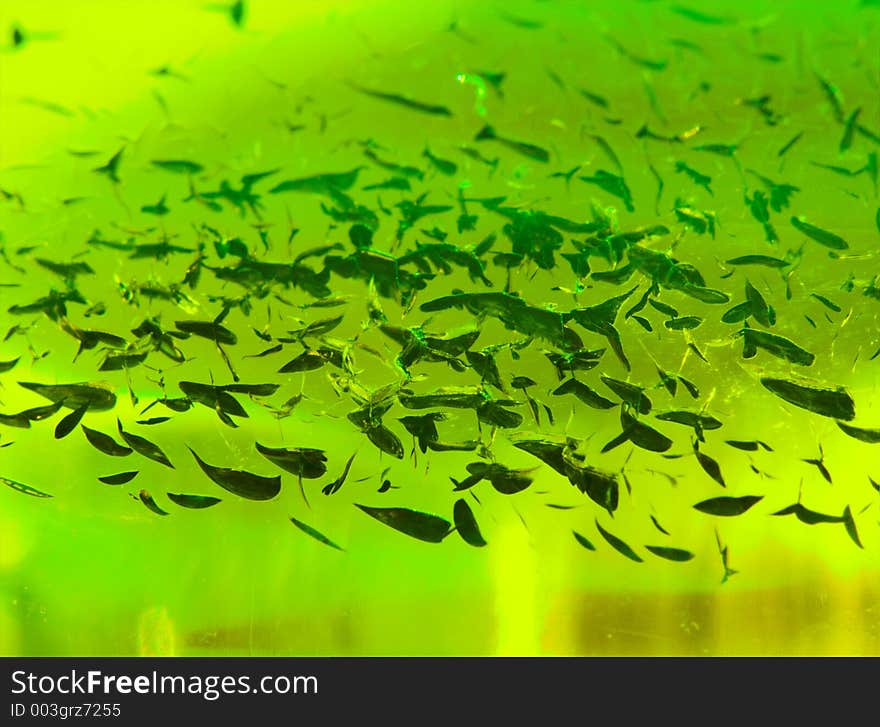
x=516, y=591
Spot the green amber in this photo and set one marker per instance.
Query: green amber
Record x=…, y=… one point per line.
x=324, y=321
